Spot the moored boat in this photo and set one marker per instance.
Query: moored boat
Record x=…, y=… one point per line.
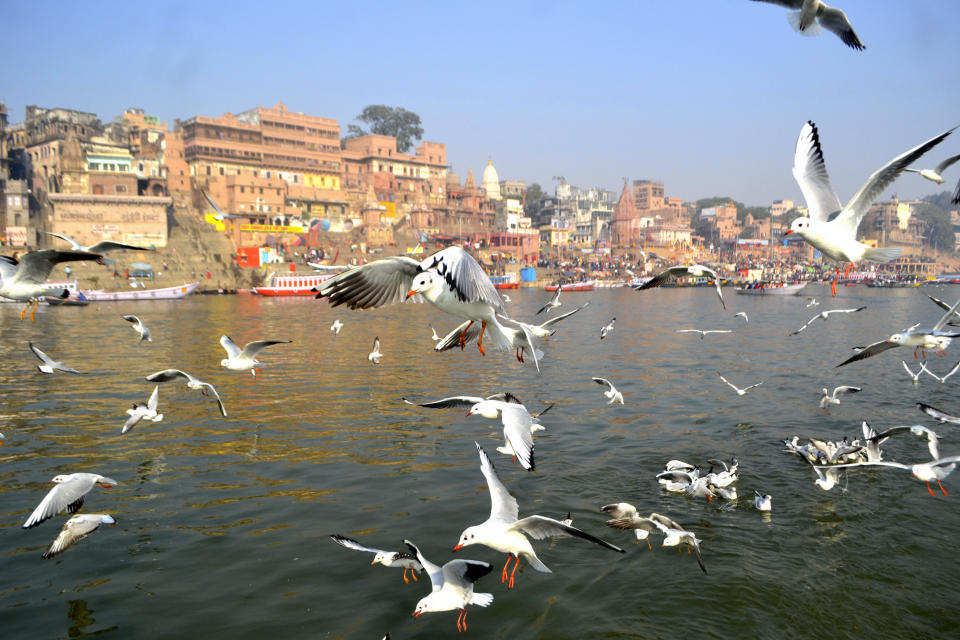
x=165, y=293
x=572, y=286
x=508, y=281
x=293, y=284
x=772, y=288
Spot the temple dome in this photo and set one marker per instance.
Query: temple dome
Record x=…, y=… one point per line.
x=490, y=182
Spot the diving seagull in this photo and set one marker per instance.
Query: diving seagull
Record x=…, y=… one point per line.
x=915, y=376
x=452, y=586
x=336, y=326
x=246, y=359
x=518, y=428
x=612, y=393
x=67, y=495
x=941, y=380
x=553, y=302
x=140, y=328
x=450, y=280
x=100, y=247
x=704, y=332
x=504, y=532
x=24, y=280
x=936, y=174
x=607, y=328
x=830, y=18
x=142, y=411
x=823, y=315
x=204, y=388
x=693, y=270
x=49, y=364
x=400, y=559
x=920, y=339
x=829, y=227
x=76, y=528
x=375, y=355
x=740, y=392
x=827, y=398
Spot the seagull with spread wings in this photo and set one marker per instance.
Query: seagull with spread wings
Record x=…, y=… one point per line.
x=205, y=388
x=400, y=559
x=936, y=174
x=49, y=364
x=823, y=315
x=245, y=359
x=101, y=247
x=808, y=12
x=24, y=280
x=452, y=586
x=830, y=227
x=692, y=270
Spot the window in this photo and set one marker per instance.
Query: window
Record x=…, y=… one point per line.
x=241, y=189
x=221, y=170
x=120, y=188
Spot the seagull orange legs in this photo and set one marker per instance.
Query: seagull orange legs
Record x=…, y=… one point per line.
x=463, y=335
x=503, y=574
x=413, y=574
x=462, y=620
x=483, y=327
x=34, y=304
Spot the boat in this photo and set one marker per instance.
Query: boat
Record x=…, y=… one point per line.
x=293, y=284
x=572, y=286
x=166, y=293
x=772, y=288
x=508, y=281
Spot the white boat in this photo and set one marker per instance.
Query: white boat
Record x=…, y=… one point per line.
x=166, y=293
x=772, y=289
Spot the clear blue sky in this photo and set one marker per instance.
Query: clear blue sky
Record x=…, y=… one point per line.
x=706, y=95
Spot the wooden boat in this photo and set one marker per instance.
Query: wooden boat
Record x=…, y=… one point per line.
x=772, y=289
x=166, y=293
x=572, y=286
x=293, y=284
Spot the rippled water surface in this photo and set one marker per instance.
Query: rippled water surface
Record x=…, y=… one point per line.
x=223, y=522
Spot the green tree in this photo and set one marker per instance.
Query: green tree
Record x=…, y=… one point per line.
x=939, y=228
x=389, y=121
x=535, y=196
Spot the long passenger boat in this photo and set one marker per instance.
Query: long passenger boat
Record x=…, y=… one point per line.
x=772, y=288
x=293, y=284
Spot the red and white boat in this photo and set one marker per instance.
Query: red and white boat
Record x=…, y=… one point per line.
x=508, y=281
x=293, y=284
x=572, y=286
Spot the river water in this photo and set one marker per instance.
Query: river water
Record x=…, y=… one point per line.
x=223, y=522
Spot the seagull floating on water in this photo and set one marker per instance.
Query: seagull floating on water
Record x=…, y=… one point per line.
x=830, y=18
x=452, y=586
x=829, y=227
x=245, y=360
x=375, y=355
x=387, y=558
x=915, y=376
x=49, y=364
x=612, y=393
x=762, y=502
x=504, y=532
x=140, y=328
x=193, y=383
x=67, y=495
x=75, y=529
x=142, y=411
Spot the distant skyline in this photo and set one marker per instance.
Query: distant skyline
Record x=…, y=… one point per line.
x=707, y=96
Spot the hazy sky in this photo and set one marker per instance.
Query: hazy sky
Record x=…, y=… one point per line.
x=706, y=95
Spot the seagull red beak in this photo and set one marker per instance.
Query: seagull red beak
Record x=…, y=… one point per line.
x=416, y=614
x=458, y=547
x=411, y=293
x=788, y=232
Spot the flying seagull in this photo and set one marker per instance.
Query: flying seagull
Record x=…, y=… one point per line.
x=673, y=533
x=920, y=340
x=504, y=532
x=142, y=411
x=452, y=586
x=829, y=227
x=740, y=392
x=204, y=388
x=693, y=270
x=941, y=380
x=553, y=302
x=607, y=328
x=245, y=360
x=24, y=280
x=140, y=328
x=612, y=393
x=75, y=529
x=933, y=412
x=100, y=247
x=387, y=558
x=450, y=280
x=915, y=376
x=67, y=495
x=375, y=355
x=704, y=332
x=823, y=315
x=936, y=174
x=831, y=19
x=742, y=314
x=827, y=398
x=336, y=326
x=49, y=365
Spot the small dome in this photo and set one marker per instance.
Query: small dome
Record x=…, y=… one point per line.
x=490, y=181
x=453, y=179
